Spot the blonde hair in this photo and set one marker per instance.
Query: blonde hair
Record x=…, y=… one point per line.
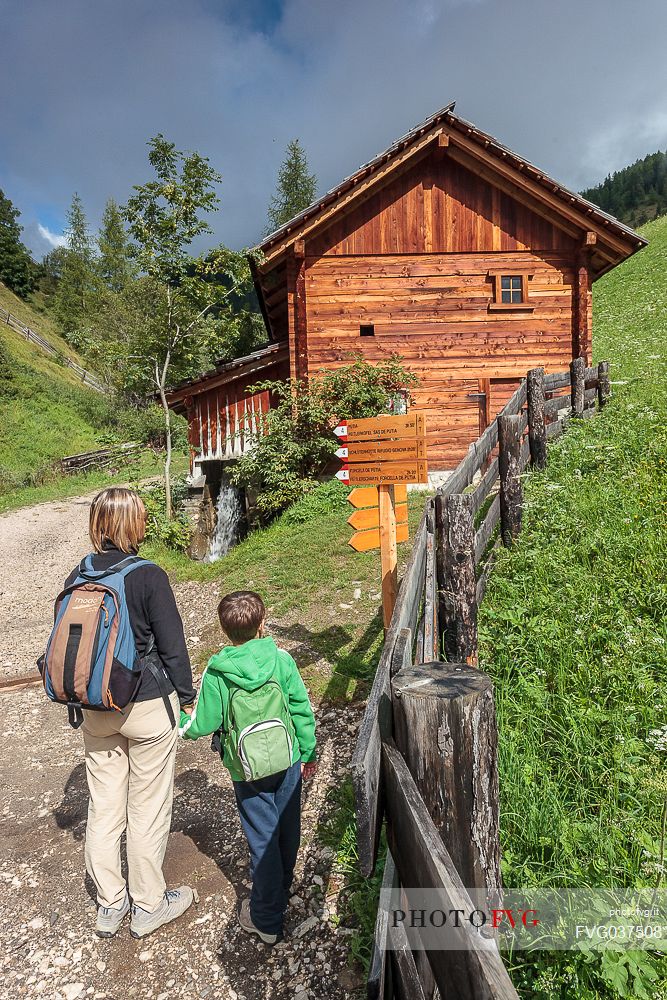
x=118, y=518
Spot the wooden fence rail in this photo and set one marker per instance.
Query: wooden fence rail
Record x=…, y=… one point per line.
x=426, y=754
x=48, y=348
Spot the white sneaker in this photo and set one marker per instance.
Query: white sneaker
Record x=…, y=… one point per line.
x=109, y=918
x=174, y=903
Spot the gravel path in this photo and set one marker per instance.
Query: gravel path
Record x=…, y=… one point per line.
x=46, y=907
x=39, y=546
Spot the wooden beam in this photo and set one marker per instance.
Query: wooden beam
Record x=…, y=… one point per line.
x=300, y=320
x=591, y=239
x=292, y=269
x=581, y=327
x=443, y=140
x=299, y=248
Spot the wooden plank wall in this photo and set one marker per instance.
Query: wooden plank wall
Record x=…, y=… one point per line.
x=416, y=260
x=432, y=310
x=439, y=206
x=221, y=421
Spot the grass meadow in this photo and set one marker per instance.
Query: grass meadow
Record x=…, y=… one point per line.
x=573, y=631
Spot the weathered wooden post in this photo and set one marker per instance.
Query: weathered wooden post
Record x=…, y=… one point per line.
x=511, y=493
x=460, y=586
x=604, y=385
x=537, y=431
x=577, y=386
x=445, y=727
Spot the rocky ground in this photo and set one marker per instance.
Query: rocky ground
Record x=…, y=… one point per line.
x=46, y=903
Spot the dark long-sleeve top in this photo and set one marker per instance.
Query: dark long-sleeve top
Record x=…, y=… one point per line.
x=152, y=609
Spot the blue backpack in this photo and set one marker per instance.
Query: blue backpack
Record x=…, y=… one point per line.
x=91, y=660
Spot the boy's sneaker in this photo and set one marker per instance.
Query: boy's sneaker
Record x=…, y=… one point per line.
x=109, y=918
x=246, y=923
x=174, y=903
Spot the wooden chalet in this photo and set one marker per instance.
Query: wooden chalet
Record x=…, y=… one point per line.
x=447, y=249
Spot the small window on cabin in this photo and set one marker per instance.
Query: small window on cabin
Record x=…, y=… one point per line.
x=510, y=291
x=367, y=330
x=511, y=288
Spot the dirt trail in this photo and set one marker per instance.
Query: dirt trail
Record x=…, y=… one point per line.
x=46, y=907
x=39, y=547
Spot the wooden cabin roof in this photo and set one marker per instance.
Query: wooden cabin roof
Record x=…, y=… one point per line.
x=228, y=371
x=478, y=152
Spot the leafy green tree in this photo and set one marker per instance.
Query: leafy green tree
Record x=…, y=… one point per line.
x=295, y=190
x=115, y=264
x=77, y=284
x=17, y=270
x=191, y=294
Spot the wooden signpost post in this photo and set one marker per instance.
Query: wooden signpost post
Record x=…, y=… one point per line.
x=383, y=454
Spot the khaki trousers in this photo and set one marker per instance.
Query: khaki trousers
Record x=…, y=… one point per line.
x=130, y=762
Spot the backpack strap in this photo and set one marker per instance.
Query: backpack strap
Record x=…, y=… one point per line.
x=74, y=715
x=124, y=566
x=160, y=681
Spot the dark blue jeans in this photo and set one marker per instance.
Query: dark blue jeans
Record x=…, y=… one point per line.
x=270, y=812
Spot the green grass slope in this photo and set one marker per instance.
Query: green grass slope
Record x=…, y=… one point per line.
x=45, y=414
x=32, y=314
x=574, y=633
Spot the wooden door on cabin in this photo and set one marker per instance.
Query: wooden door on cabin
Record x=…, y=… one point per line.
x=452, y=408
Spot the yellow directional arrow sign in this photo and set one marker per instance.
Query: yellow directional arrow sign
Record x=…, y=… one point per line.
x=364, y=541
x=370, y=518
x=367, y=496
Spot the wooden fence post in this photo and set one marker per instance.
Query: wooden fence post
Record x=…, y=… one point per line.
x=604, y=385
x=445, y=727
x=577, y=376
x=511, y=494
x=537, y=432
x=460, y=581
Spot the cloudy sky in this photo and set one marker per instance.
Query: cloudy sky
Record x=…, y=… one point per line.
x=577, y=86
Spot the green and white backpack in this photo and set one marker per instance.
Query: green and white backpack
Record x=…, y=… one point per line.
x=260, y=732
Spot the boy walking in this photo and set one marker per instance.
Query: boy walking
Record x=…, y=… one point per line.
x=252, y=692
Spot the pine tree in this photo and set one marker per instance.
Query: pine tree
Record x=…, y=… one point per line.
x=114, y=264
x=76, y=287
x=295, y=189
x=16, y=268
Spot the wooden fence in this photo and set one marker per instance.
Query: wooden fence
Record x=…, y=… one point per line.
x=48, y=348
x=426, y=754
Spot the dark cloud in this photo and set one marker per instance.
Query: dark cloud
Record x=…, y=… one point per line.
x=577, y=88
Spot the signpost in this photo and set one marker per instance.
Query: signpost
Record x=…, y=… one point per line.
x=381, y=455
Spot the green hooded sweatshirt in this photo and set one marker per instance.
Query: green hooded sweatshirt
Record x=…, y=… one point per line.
x=249, y=666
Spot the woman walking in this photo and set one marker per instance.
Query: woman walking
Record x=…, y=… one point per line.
x=130, y=754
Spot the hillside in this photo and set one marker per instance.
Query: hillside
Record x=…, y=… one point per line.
x=574, y=633
x=636, y=194
x=45, y=413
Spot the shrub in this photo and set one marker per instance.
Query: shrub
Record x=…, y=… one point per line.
x=295, y=442
x=175, y=532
